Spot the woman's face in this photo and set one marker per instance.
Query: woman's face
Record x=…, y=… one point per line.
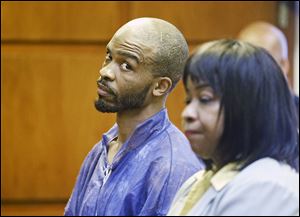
x=201, y=121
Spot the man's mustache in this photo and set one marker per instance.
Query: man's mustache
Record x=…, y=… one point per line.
x=103, y=85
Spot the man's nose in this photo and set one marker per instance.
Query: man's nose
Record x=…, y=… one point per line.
x=107, y=73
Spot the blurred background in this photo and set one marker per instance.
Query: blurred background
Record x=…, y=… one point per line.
x=51, y=53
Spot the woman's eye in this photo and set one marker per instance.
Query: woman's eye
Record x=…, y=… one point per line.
x=205, y=100
x=187, y=101
x=125, y=66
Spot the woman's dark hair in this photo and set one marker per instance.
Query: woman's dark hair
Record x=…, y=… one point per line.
x=260, y=118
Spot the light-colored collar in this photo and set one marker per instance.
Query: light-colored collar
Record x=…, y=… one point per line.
x=224, y=176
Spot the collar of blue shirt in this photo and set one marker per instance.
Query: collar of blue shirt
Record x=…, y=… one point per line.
x=144, y=130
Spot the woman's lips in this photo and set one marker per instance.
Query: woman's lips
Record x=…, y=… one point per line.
x=190, y=133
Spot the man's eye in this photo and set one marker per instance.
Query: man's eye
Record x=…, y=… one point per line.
x=125, y=66
x=108, y=57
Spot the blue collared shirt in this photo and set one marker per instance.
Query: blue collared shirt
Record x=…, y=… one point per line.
x=144, y=176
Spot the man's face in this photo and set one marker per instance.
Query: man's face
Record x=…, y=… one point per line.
x=125, y=80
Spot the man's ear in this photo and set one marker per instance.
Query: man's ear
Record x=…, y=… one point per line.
x=162, y=86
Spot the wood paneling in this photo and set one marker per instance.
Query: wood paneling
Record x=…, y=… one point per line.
x=175, y=104
x=48, y=120
x=33, y=209
x=86, y=21
x=207, y=20
x=57, y=20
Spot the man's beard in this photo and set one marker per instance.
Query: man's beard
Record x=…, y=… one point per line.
x=118, y=103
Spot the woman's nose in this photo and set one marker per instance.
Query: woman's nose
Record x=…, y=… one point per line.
x=189, y=113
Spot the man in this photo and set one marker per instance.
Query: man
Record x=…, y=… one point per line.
x=271, y=38
x=143, y=159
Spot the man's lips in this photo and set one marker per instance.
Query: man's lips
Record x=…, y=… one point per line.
x=103, y=90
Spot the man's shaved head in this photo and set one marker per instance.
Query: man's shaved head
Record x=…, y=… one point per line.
x=271, y=38
x=168, y=48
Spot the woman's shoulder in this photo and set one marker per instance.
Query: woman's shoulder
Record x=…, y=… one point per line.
x=268, y=171
x=269, y=168
x=260, y=189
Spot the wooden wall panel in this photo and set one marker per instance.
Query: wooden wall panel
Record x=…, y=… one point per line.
x=99, y=20
x=48, y=120
x=51, y=209
x=57, y=20
x=175, y=104
x=207, y=20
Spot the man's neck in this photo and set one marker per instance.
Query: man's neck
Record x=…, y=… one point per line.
x=128, y=120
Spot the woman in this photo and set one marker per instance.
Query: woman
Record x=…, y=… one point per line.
x=241, y=119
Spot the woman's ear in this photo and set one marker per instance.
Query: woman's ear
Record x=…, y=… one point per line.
x=162, y=86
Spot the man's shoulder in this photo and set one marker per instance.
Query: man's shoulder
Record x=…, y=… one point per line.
x=171, y=141
x=171, y=146
x=173, y=134
x=94, y=153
